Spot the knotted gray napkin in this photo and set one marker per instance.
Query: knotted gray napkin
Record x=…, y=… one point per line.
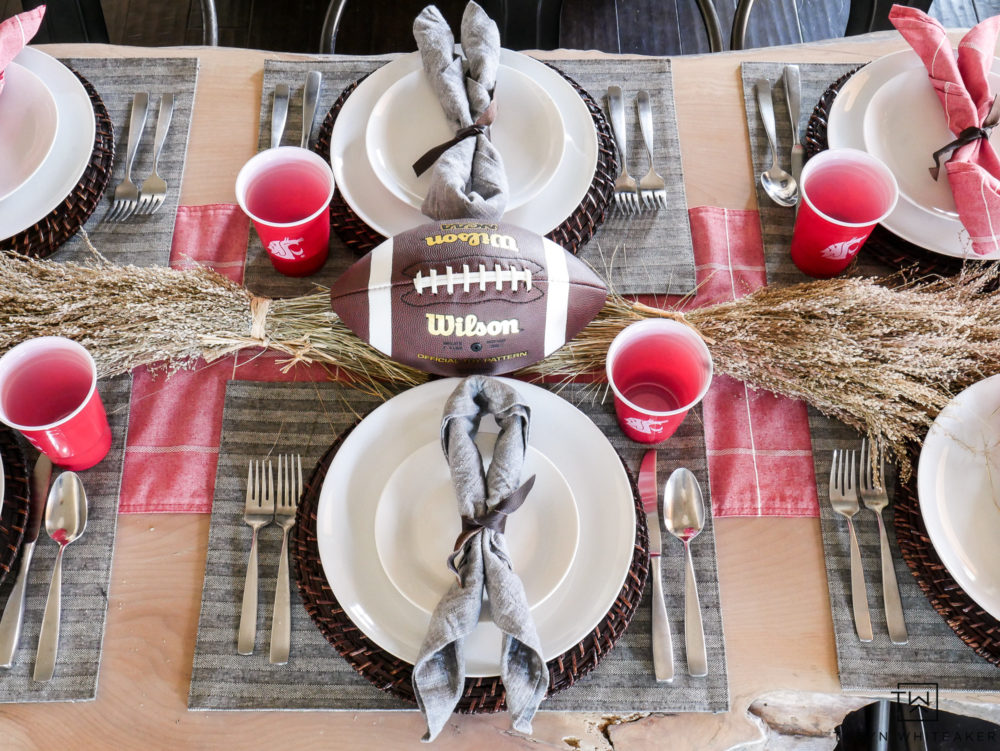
x=468, y=178
x=481, y=561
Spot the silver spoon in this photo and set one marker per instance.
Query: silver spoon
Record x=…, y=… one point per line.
x=65, y=520
x=778, y=184
x=684, y=518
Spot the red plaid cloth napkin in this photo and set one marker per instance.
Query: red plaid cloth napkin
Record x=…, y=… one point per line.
x=15, y=33
x=963, y=87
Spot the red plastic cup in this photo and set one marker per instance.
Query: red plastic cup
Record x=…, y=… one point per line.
x=286, y=192
x=845, y=193
x=658, y=369
x=48, y=391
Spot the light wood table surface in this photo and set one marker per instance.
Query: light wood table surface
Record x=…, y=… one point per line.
x=778, y=626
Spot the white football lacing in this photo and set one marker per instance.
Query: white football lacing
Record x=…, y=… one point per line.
x=497, y=276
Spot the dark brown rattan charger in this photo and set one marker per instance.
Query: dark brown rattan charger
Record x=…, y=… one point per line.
x=14, y=511
x=44, y=238
x=391, y=674
x=883, y=245
x=971, y=623
x=572, y=234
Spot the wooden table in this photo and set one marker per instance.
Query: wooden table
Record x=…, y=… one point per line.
x=778, y=627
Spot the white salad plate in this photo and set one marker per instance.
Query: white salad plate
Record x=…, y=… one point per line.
x=958, y=486
x=417, y=523
x=28, y=121
x=938, y=233
x=70, y=154
x=382, y=211
x=408, y=120
x=354, y=485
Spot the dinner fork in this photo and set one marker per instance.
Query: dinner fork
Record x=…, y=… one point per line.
x=258, y=513
x=126, y=198
x=289, y=490
x=877, y=499
x=844, y=499
x=626, y=193
x=154, y=187
x=652, y=188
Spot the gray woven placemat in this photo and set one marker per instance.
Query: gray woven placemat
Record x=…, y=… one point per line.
x=141, y=241
x=86, y=578
x=307, y=417
x=776, y=222
x=934, y=653
x=651, y=252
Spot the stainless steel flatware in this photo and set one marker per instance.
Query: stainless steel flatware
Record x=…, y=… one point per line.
x=310, y=99
x=279, y=114
x=663, y=648
x=793, y=95
x=778, y=184
x=844, y=499
x=626, y=190
x=126, y=198
x=65, y=521
x=876, y=499
x=154, y=187
x=13, y=614
x=289, y=491
x=684, y=517
x=258, y=513
x=652, y=188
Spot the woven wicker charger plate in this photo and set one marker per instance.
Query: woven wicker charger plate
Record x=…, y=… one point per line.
x=14, y=511
x=44, y=238
x=391, y=674
x=572, y=234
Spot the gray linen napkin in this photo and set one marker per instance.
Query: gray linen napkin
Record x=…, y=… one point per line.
x=481, y=560
x=468, y=179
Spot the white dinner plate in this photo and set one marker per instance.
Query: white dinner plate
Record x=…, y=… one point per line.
x=386, y=214
x=417, y=523
x=408, y=120
x=958, y=485
x=845, y=128
x=904, y=125
x=70, y=154
x=345, y=522
x=28, y=120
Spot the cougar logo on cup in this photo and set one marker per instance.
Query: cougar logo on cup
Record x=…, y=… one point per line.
x=287, y=249
x=840, y=251
x=649, y=427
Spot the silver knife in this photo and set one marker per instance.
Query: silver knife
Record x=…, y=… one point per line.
x=793, y=93
x=309, y=101
x=663, y=648
x=13, y=614
x=279, y=112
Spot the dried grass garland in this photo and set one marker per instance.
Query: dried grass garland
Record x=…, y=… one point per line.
x=882, y=359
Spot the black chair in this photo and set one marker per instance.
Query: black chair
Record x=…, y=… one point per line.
x=83, y=21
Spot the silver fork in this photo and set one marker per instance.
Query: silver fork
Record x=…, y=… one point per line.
x=626, y=192
x=258, y=513
x=289, y=490
x=154, y=187
x=126, y=198
x=652, y=188
x=877, y=499
x=844, y=499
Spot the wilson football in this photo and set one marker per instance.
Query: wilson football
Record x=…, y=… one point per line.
x=463, y=297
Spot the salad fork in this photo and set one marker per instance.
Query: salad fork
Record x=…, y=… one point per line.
x=258, y=513
x=154, y=187
x=289, y=490
x=126, y=199
x=844, y=499
x=626, y=192
x=652, y=188
x=877, y=499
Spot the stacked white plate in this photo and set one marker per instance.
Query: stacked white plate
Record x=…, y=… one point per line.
x=47, y=130
x=889, y=109
x=543, y=130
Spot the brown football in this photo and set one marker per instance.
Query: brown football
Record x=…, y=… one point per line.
x=462, y=297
